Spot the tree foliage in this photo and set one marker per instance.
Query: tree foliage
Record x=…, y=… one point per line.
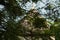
x=17, y=24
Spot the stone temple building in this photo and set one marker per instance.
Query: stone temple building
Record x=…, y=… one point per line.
x=33, y=19
x=35, y=25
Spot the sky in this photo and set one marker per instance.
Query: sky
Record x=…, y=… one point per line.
x=31, y=5
x=1, y=7
x=39, y=4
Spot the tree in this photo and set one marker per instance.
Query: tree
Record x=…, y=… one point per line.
x=17, y=24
